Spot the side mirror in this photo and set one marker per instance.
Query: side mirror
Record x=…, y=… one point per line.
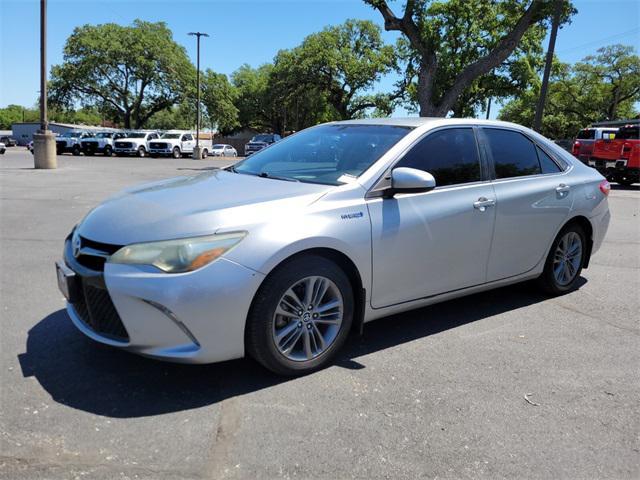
x=410, y=180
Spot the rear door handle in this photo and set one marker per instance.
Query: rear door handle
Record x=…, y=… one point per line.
x=562, y=189
x=482, y=203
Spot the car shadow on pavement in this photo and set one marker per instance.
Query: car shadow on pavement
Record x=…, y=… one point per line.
x=89, y=376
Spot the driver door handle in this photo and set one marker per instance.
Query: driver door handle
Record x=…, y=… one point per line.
x=482, y=203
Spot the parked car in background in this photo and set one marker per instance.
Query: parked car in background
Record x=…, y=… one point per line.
x=135, y=143
x=618, y=159
x=71, y=142
x=8, y=141
x=223, y=150
x=259, y=142
x=3, y=148
x=281, y=255
x=178, y=143
x=101, y=143
x=586, y=138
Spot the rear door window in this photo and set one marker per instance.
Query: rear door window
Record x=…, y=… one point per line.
x=546, y=162
x=450, y=155
x=514, y=155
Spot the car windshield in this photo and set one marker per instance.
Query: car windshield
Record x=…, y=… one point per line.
x=262, y=138
x=70, y=134
x=137, y=135
x=171, y=135
x=328, y=154
x=104, y=135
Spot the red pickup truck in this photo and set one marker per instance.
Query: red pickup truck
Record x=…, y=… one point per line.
x=583, y=145
x=619, y=159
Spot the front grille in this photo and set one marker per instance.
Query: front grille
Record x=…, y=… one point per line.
x=124, y=144
x=157, y=145
x=97, y=311
x=61, y=143
x=93, y=255
x=89, y=145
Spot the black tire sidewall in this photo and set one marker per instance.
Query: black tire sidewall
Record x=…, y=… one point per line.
x=142, y=152
x=107, y=151
x=173, y=152
x=260, y=343
x=548, y=280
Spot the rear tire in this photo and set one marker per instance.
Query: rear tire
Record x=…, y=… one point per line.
x=300, y=341
x=565, y=261
x=205, y=153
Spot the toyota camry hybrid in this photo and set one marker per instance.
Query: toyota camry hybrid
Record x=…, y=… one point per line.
x=283, y=254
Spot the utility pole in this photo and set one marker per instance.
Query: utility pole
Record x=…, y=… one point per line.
x=44, y=143
x=537, y=122
x=197, y=154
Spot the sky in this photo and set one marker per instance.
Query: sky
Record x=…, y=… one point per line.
x=251, y=32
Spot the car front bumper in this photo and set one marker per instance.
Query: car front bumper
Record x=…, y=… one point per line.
x=195, y=317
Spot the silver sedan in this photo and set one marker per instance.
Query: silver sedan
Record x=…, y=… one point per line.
x=282, y=255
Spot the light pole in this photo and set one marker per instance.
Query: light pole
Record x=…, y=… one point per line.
x=196, y=151
x=44, y=144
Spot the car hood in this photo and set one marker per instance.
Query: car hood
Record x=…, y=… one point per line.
x=192, y=206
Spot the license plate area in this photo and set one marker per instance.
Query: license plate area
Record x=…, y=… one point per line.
x=67, y=282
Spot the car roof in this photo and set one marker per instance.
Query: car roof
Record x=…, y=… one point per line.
x=421, y=121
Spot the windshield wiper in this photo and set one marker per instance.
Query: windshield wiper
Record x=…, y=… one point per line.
x=276, y=177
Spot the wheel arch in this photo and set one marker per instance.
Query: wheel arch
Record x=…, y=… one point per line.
x=344, y=262
x=584, y=223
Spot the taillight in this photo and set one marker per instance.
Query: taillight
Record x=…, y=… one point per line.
x=576, y=148
x=605, y=187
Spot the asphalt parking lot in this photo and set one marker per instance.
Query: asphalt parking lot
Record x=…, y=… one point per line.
x=435, y=393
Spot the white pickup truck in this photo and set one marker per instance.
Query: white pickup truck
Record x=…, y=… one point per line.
x=71, y=141
x=101, y=143
x=134, y=143
x=177, y=143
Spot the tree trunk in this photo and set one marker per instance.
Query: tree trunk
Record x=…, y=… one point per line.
x=127, y=120
x=425, y=92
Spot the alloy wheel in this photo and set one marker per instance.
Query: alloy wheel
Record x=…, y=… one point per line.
x=308, y=318
x=567, y=258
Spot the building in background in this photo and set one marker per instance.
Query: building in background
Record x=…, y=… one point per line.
x=23, y=132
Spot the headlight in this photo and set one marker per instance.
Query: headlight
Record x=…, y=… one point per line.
x=177, y=256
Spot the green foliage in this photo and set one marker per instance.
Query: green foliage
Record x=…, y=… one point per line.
x=218, y=97
x=342, y=63
x=458, y=53
x=181, y=117
x=600, y=87
x=328, y=77
x=15, y=114
x=136, y=71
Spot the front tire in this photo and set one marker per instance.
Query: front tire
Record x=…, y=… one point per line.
x=301, y=316
x=565, y=261
x=176, y=152
x=76, y=151
x=142, y=152
x=108, y=151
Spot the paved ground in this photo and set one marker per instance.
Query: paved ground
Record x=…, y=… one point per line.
x=438, y=392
